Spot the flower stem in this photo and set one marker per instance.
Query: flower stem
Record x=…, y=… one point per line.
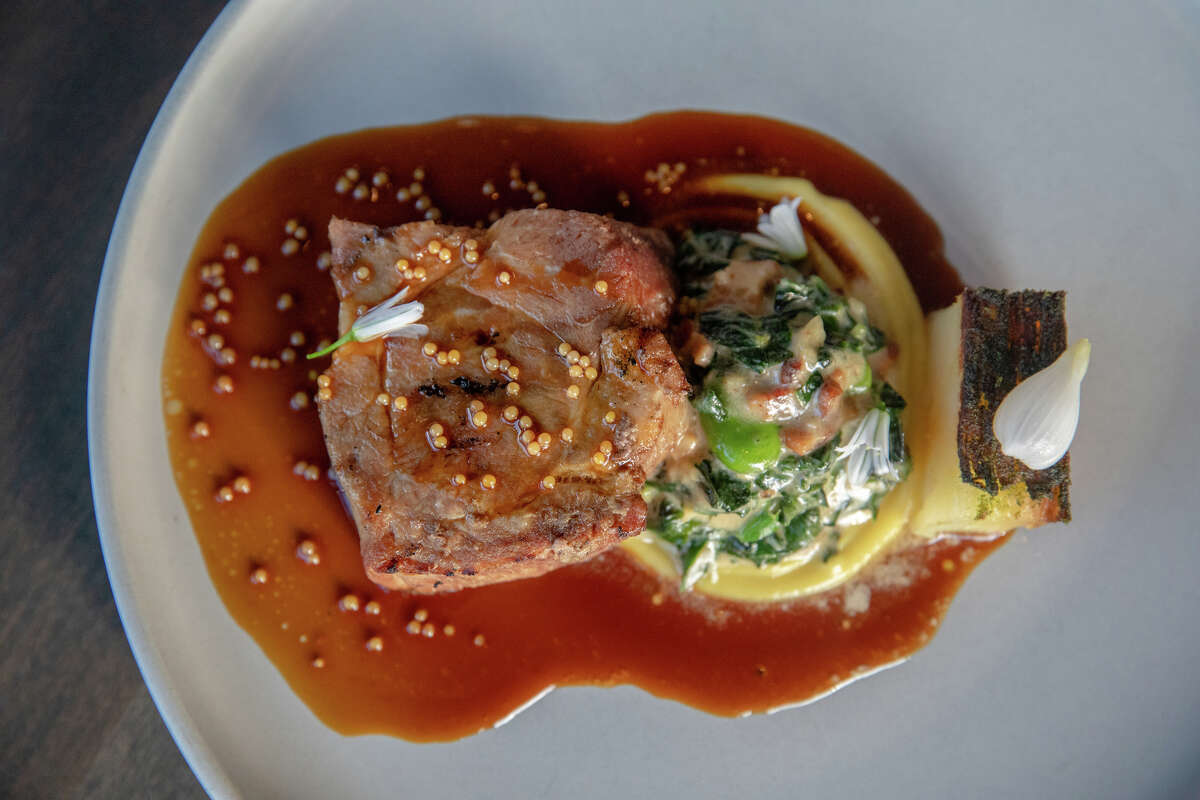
x=347, y=337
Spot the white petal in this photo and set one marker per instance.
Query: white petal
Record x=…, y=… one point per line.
x=864, y=433
x=857, y=451
x=1036, y=422
x=390, y=318
x=783, y=214
x=780, y=229
x=881, y=447
x=858, y=469
x=758, y=240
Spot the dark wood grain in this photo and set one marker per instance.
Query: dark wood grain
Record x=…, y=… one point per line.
x=80, y=84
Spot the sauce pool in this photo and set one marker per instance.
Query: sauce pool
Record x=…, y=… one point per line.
x=249, y=457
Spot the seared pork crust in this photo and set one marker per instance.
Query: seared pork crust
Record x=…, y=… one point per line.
x=543, y=369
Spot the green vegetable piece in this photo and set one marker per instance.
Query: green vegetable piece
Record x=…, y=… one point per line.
x=811, y=386
x=757, y=342
x=745, y=447
x=801, y=529
x=724, y=491
x=710, y=404
x=891, y=398
x=701, y=253
x=863, y=383
x=812, y=296
x=757, y=527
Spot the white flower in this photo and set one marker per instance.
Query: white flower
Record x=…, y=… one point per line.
x=1036, y=421
x=779, y=229
x=390, y=318
x=868, y=452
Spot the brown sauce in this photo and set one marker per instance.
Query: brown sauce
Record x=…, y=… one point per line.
x=437, y=668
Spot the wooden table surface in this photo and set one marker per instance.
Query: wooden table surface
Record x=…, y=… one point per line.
x=80, y=84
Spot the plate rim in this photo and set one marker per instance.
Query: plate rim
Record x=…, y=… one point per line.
x=213, y=778
x=195, y=746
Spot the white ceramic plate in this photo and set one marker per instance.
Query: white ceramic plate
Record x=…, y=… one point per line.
x=1056, y=143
